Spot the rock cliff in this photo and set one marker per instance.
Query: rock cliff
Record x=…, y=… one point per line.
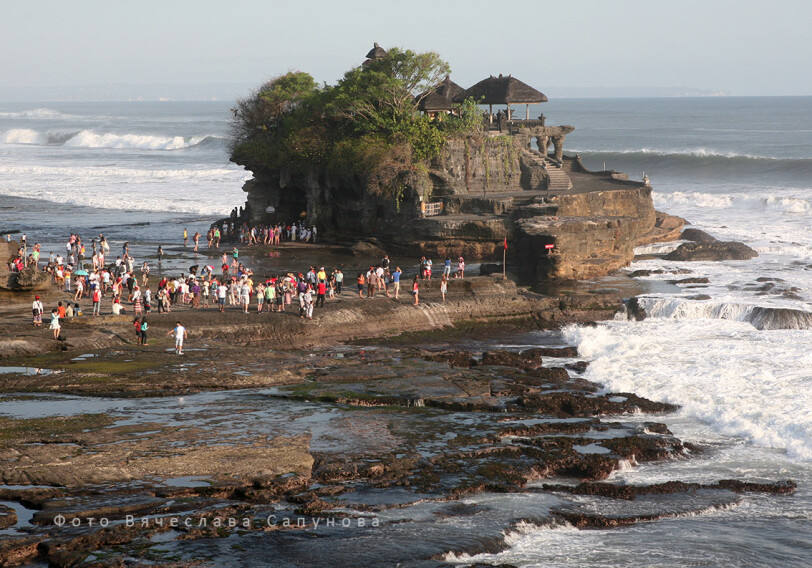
x=560, y=220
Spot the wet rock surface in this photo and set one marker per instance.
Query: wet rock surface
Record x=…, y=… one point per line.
x=409, y=452
x=711, y=251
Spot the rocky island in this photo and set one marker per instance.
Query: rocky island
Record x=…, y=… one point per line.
x=430, y=175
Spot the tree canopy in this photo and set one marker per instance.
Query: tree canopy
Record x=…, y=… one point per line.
x=366, y=124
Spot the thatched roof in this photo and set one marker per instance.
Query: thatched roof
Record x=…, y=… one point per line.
x=502, y=90
x=376, y=52
x=441, y=97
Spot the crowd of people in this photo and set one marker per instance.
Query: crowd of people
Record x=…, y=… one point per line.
x=134, y=288
x=233, y=232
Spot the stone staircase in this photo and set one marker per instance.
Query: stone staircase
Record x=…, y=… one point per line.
x=557, y=180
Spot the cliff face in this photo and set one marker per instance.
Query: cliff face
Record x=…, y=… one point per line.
x=488, y=189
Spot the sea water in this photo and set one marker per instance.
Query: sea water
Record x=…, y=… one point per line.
x=733, y=353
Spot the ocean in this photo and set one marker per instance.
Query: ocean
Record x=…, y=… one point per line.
x=738, y=362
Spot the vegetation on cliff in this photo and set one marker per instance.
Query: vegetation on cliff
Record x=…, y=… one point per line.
x=366, y=125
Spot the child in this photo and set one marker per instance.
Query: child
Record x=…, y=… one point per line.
x=55, y=323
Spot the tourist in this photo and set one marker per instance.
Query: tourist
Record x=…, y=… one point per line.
x=60, y=310
x=180, y=335
x=372, y=282
x=222, y=290
x=69, y=313
x=416, y=289
x=321, y=293
x=55, y=322
x=197, y=240
x=396, y=280
x=443, y=286
x=144, y=273
x=205, y=292
x=270, y=295
x=160, y=253
x=245, y=295
x=280, y=294
x=447, y=267
x=260, y=294
x=185, y=237
x=306, y=300
x=118, y=308
x=80, y=288
x=37, y=310
x=144, y=328
x=96, y=302
x=339, y=276
x=137, y=327
x=361, y=282
x=429, y=265
x=461, y=268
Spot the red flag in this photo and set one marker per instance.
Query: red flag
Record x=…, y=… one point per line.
x=505, y=243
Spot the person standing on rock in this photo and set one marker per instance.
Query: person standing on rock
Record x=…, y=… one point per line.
x=396, y=280
x=416, y=289
x=444, y=286
x=96, y=302
x=222, y=290
x=55, y=323
x=461, y=268
x=197, y=240
x=37, y=309
x=447, y=267
x=180, y=335
x=144, y=328
x=339, y=276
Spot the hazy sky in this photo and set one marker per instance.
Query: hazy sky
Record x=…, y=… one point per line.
x=744, y=47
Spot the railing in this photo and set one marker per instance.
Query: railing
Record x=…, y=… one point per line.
x=431, y=209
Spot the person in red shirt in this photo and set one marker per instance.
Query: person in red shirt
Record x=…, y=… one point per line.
x=96, y=302
x=61, y=310
x=321, y=291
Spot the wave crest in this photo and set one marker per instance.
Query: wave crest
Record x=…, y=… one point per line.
x=769, y=201
x=92, y=139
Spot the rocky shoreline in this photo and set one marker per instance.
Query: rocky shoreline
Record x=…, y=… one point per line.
x=377, y=417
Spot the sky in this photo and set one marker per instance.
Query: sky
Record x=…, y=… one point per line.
x=600, y=47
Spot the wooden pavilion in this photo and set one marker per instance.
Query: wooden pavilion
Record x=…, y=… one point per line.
x=503, y=91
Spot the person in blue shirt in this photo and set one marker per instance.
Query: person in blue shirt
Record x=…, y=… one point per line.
x=396, y=280
x=447, y=267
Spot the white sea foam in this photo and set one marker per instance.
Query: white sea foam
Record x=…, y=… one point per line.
x=205, y=191
x=22, y=136
x=744, y=382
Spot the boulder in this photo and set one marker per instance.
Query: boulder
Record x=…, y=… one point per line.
x=714, y=251
x=697, y=236
x=486, y=269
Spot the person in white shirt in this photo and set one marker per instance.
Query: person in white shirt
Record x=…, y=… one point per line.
x=37, y=310
x=180, y=335
x=222, y=290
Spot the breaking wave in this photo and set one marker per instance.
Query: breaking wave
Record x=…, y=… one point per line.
x=762, y=318
x=687, y=152
x=42, y=114
x=93, y=139
x=770, y=201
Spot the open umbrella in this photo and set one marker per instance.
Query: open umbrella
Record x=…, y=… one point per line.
x=80, y=273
